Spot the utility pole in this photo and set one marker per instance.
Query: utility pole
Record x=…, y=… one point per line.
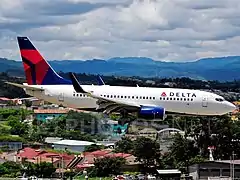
x=233, y=173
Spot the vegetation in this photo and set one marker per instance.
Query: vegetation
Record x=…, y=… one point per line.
x=10, y=169
x=190, y=148
x=106, y=166
x=74, y=125
x=43, y=169
x=93, y=147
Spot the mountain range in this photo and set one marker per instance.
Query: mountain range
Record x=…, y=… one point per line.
x=219, y=68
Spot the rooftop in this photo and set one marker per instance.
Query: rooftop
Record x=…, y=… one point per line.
x=51, y=111
x=4, y=99
x=74, y=142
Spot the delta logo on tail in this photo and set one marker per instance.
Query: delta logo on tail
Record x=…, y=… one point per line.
x=37, y=70
x=179, y=94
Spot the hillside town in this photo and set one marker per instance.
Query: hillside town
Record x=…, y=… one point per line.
x=69, y=143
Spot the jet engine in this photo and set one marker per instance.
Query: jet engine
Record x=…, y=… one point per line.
x=151, y=112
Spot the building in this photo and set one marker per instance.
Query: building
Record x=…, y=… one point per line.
x=89, y=157
x=11, y=146
x=4, y=101
x=37, y=155
x=47, y=114
x=72, y=145
x=215, y=169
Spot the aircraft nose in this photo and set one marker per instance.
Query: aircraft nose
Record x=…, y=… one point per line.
x=230, y=107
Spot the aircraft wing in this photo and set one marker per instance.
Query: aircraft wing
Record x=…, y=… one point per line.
x=104, y=103
x=25, y=87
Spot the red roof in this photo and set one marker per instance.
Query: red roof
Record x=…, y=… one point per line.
x=4, y=99
x=29, y=153
x=123, y=155
x=100, y=153
x=51, y=111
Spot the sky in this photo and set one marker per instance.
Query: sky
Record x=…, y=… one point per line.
x=168, y=30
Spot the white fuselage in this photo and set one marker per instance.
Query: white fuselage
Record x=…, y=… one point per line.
x=184, y=101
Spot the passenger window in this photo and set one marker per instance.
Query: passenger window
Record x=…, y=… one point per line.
x=128, y=97
x=146, y=97
x=160, y=98
x=177, y=99
x=184, y=99
x=167, y=98
x=104, y=95
x=125, y=97
x=153, y=97
x=180, y=99
x=121, y=96
x=170, y=99
x=150, y=97
x=133, y=97
x=140, y=97
x=174, y=99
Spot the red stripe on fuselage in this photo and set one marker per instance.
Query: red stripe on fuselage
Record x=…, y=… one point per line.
x=41, y=66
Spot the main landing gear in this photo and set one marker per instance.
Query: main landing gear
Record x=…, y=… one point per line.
x=125, y=117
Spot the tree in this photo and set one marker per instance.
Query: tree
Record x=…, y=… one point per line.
x=108, y=165
x=125, y=145
x=43, y=169
x=10, y=169
x=17, y=127
x=181, y=151
x=147, y=151
x=93, y=147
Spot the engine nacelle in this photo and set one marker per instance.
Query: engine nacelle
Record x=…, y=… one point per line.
x=151, y=112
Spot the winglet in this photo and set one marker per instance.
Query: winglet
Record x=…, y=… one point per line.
x=100, y=80
x=76, y=85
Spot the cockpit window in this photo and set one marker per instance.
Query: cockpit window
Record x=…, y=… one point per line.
x=219, y=99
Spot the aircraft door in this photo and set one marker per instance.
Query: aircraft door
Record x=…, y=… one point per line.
x=204, y=102
x=61, y=97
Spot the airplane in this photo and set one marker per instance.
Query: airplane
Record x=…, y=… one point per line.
x=155, y=101
x=44, y=83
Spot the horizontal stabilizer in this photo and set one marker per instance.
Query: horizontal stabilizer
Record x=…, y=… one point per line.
x=76, y=85
x=25, y=87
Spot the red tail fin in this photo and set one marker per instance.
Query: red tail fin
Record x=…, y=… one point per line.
x=37, y=69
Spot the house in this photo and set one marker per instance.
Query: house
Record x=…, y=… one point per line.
x=4, y=101
x=45, y=114
x=72, y=145
x=89, y=157
x=59, y=160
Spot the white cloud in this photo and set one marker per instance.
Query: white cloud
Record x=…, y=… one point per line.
x=176, y=30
